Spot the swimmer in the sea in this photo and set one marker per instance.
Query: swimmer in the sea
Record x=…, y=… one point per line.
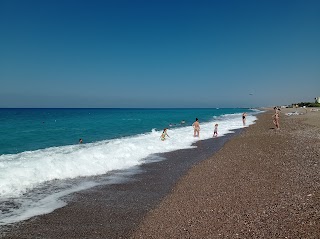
x=164, y=134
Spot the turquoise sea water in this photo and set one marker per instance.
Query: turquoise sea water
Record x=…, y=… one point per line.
x=31, y=129
x=41, y=160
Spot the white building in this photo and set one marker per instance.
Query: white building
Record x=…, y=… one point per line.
x=317, y=99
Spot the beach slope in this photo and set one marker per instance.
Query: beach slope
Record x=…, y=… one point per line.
x=264, y=183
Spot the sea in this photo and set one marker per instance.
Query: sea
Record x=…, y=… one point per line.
x=42, y=161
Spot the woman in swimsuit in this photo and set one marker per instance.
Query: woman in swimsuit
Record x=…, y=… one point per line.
x=276, y=120
x=244, y=118
x=164, y=134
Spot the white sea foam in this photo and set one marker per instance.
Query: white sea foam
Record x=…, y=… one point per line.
x=25, y=171
x=29, y=207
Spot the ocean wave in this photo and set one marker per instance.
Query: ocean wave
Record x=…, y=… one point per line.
x=31, y=182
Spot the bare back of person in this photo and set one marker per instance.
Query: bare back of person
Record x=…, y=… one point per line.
x=196, y=127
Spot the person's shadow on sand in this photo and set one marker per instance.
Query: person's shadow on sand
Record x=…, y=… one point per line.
x=271, y=128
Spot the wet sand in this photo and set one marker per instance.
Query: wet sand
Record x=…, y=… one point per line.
x=263, y=183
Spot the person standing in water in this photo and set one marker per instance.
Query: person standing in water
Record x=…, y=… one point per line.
x=244, y=115
x=215, y=132
x=164, y=134
x=196, y=128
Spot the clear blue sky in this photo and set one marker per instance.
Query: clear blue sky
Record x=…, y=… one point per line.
x=158, y=53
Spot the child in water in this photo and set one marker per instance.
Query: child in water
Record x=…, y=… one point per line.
x=215, y=132
x=164, y=134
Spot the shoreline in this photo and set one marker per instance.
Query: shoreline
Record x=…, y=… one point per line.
x=257, y=183
x=264, y=183
x=114, y=211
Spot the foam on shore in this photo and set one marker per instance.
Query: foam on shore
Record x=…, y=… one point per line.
x=30, y=171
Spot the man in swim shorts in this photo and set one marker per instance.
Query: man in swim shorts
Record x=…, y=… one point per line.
x=196, y=128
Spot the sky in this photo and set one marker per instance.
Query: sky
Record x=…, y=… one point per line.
x=158, y=53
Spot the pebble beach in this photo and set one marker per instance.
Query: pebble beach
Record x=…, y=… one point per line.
x=265, y=183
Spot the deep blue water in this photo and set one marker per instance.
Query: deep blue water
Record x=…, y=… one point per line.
x=30, y=129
